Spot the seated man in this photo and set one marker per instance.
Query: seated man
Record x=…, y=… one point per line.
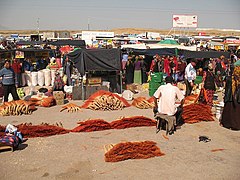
x=165, y=103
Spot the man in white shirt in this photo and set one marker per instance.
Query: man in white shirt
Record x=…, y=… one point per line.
x=190, y=76
x=165, y=99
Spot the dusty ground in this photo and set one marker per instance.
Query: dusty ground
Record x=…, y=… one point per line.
x=81, y=155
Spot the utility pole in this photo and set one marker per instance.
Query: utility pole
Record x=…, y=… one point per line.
x=38, y=21
x=88, y=27
x=38, y=25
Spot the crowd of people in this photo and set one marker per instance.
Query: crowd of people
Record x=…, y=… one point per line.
x=216, y=73
x=15, y=73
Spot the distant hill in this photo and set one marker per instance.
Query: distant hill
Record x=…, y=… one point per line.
x=134, y=31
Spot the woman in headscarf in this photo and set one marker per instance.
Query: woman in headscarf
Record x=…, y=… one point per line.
x=231, y=111
x=209, y=84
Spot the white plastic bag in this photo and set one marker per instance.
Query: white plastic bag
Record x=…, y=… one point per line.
x=40, y=78
x=28, y=78
x=34, y=78
x=53, y=76
x=24, y=80
x=11, y=129
x=47, y=77
x=128, y=95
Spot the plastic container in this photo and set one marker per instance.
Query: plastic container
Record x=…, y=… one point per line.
x=157, y=77
x=198, y=80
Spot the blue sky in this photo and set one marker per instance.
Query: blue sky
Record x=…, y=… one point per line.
x=109, y=14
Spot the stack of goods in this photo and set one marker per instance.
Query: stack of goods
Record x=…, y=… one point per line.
x=132, y=150
x=194, y=113
x=191, y=99
x=92, y=125
x=59, y=97
x=18, y=107
x=135, y=121
x=142, y=103
x=44, y=102
x=43, y=130
x=71, y=108
x=123, y=123
x=104, y=100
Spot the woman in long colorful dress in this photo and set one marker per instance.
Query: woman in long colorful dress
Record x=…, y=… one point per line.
x=209, y=85
x=231, y=111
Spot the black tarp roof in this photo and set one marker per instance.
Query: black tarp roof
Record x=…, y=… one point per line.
x=33, y=50
x=153, y=52
x=185, y=53
x=96, y=59
x=77, y=43
x=25, y=50
x=203, y=54
x=30, y=43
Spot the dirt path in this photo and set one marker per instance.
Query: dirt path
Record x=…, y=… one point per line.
x=81, y=155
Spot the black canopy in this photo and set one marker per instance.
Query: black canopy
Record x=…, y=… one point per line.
x=203, y=54
x=96, y=59
x=33, y=50
x=30, y=42
x=185, y=53
x=153, y=52
x=77, y=43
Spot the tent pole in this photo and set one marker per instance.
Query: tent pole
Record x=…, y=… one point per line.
x=121, y=88
x=82, y=87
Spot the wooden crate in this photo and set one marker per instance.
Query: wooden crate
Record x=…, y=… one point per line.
x=92, y=89
x=88, y=91
x=94, y=80
x=77, y=93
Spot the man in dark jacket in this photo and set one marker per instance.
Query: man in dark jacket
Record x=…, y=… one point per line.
x=8, y=81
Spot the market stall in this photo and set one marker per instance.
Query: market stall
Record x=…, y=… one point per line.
x=106, y=62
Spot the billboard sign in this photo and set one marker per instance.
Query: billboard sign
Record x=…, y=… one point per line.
x=90, y=36
x=185, y=21
x=19, y=54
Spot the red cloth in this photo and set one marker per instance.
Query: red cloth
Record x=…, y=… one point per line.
x=16, y=67
x=152, y=65
x=58, y=61
x=166, y=66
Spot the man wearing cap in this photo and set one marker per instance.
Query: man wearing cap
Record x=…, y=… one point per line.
x=8, y=81
x=165, y=100
x=190, y=76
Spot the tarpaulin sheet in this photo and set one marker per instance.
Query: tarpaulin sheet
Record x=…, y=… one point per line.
x=30, y=42
x=96, y=59
x=185, y=53
x=77, y=43
x=153, y=52
x=203, y=54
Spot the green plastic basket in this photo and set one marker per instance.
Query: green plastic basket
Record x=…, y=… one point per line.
x=198, y=80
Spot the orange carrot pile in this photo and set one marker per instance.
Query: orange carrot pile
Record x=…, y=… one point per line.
x=194, y=113
x=133, y=150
